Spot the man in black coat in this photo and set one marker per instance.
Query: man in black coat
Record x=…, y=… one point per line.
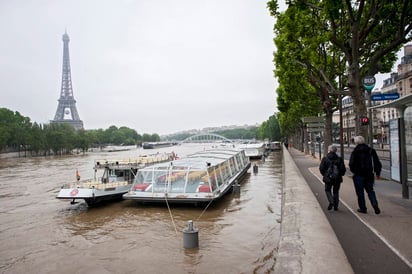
x=363, y=163
x=332, y=185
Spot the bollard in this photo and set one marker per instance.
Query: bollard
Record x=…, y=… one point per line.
x=236, y=188
x=190, y=236
x=255, y=169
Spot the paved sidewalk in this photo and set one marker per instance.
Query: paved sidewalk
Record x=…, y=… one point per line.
x=307, y=242
x=393, y=226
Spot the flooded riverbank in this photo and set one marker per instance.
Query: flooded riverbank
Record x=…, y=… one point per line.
x=38, y=233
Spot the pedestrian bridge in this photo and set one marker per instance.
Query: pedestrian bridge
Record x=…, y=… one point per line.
x=207, y=138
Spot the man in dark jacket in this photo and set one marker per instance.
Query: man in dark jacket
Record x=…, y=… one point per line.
x=363, y=163
x=332, y=159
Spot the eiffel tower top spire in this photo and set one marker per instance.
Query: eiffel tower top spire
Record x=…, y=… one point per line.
x=66, y=89
x=66, y=109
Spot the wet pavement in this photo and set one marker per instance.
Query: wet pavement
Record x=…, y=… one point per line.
x=372, y=243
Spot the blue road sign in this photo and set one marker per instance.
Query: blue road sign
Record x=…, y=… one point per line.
x=387, y=96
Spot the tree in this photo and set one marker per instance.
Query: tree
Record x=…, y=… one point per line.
x=368, y=33
x=36, y=140
x=82, y=140
x=297, y=50
x=6, y=121
x=270, y=129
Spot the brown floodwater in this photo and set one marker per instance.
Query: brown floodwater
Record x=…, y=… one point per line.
x=40, y=234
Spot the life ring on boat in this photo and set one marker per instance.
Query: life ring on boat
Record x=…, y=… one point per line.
x=74, y=192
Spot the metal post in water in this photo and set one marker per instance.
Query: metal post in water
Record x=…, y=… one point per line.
x=255, y=168
x=190, y=236
x=236, y=187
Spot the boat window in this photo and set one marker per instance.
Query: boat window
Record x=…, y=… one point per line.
x=225, y=171
x=196, y=178
x=144, y=177
x=221, y=171
x=176, y=180
x=239, y=161
x=212, y=176
x=232, y=164
x=218, y=176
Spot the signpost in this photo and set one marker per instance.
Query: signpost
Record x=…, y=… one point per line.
x=313, y=119
x=369, y=83
x=314, y=124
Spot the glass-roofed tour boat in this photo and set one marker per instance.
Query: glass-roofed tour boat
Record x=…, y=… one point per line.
x=198, y=178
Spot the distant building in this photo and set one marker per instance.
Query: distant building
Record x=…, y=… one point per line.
x=66, y=112
x=404, y=80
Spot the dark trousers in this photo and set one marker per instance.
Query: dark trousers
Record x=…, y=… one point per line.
x=362, y=184
x=332, y=193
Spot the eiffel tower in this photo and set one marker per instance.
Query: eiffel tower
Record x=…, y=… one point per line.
x=66, y=109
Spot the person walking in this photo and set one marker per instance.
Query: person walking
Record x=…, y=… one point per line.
x=332, y=169
x=364, y=163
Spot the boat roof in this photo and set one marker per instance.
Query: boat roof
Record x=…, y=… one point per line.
x=251, y=145
x=199, y=160
x=131, y=162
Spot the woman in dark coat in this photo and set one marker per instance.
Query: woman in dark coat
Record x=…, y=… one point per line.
x=332, y=186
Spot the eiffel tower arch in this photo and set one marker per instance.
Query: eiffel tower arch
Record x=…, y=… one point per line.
x=66, y=112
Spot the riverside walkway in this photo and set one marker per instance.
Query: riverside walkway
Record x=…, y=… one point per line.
x=315, y=240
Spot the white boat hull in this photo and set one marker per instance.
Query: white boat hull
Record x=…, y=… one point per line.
x=97, y=193
x=253, y=151
x=116, y=180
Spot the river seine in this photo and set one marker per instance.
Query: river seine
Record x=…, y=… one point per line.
x=40, y=234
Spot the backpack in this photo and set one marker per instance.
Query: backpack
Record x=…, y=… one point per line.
x=332, y=173
x=366, y=164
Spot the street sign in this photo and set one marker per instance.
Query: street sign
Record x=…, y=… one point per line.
x=315, y=129
x=387, y=96
x=313, y=119
x=320, y=125
x=369, y=82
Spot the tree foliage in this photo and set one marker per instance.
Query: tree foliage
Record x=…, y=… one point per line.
x=270, y=129
x=18, y=133
x=320, y=41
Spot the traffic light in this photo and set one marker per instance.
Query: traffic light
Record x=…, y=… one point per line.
x=364, y=121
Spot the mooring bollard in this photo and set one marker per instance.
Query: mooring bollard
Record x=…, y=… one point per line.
x=255, y=169
x=236, y=188
x=190, y=236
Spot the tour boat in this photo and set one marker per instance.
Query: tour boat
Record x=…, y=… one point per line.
x=153, y=145
x=114, y=180
x=198, y=178
x=275, y=145
x=253, y=150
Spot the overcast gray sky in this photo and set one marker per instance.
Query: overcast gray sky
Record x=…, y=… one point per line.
x=157, y=66
x=154, y=66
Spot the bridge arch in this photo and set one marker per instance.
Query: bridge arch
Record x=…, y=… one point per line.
x=206, y=138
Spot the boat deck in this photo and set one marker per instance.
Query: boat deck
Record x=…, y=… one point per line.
x=96, y=184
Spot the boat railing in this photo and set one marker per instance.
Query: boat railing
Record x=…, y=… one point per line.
x=140, y=162
x=90, y=183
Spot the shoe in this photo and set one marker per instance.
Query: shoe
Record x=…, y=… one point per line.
x=335, y=208
x=362, y=211
x=330, y=206
x=377, y=210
